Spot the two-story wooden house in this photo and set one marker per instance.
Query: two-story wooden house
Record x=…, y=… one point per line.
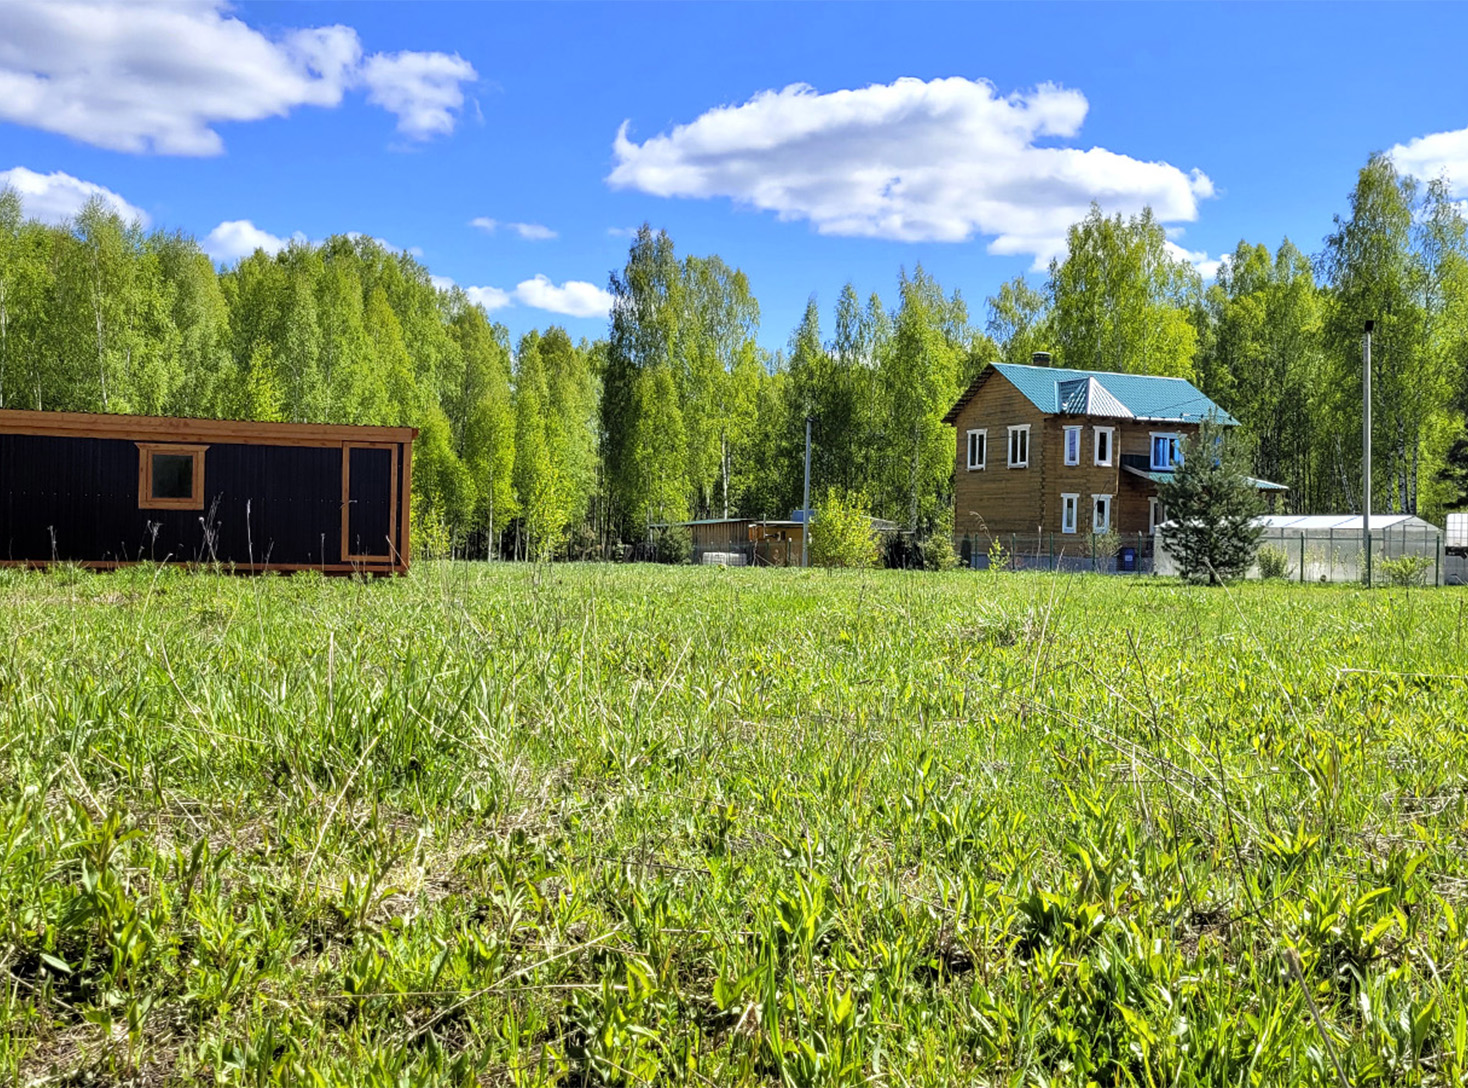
x=1046, y=450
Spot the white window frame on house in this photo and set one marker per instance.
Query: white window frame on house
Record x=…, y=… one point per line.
x=1100, y=524
x=1021, y=429
x=981, y=447
x=1072, y=445
x=1173, y=452
x=1070, y=506
x=1156, y=514
x=1110, y=433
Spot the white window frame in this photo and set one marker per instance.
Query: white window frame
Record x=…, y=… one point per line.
x=1110, y=433
x=1020, y=428
x=1070, y=508
x=1152, y=451
x=1072, y=432
x=1153, y=506
x=1100, y=525
x=983, y=459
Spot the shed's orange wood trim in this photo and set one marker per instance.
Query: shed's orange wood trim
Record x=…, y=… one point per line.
x=179, y=429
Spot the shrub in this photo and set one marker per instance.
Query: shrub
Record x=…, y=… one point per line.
x=673, y=544
x=841, y=532
x=938, y=553
x=1406, y=570
x=1273, y=563
x=937, y=550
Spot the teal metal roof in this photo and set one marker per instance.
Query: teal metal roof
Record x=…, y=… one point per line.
x=1096, y=392
x=1163, y=477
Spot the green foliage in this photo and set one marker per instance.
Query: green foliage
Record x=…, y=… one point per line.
x=1212, y=508
x=1406, y=570
x=841, y=532
x=486, y=824
x=1274, y=563
x=672, y=544
x=1119, y=300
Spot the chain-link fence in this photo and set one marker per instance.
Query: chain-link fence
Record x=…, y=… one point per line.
x=1101, y=553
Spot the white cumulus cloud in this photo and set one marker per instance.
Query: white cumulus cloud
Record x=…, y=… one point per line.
x=1440, y=153
x=942, y=160
x=56, y=197
x=422, y=89
x=491, y=298
x=574, y=298
x=160, y=77
x=531, y=232
x=239, y=238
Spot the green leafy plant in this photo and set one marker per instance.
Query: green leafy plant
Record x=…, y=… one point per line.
x=1274, y=563
x=841, y=532
x=1406, y=570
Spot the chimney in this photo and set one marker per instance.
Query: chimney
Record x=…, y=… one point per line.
x=1040, y=358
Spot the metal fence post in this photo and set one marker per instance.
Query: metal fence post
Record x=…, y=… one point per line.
x=1052, y=551
x=1302, y=557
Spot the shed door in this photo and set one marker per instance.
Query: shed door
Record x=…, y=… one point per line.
x=369, y=492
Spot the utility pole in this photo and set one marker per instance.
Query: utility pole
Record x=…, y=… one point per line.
x=1366, y=447
x=805, y=505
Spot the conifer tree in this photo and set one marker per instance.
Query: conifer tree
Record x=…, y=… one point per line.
x=1211, y=508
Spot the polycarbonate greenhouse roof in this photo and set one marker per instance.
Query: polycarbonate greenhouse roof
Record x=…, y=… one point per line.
x=1311, y=523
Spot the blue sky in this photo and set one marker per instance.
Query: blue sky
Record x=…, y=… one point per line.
x=807, y=144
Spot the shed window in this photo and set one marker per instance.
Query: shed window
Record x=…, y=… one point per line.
x=170, y=477
x=1069, y=505
x=1103, y=445
x=1019, y=446
x=978, y=442
x=1072, y=445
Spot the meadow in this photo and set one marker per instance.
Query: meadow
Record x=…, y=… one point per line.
x=596, y=825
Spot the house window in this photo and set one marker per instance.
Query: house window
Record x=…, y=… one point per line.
x=1156, y=514
x=1103, y=444
x=1072, y=445
x=1100, y=513
x=1069, y=505
x=1019, y=446
x=170, y=477
x=1165, y=453
x=978, y=449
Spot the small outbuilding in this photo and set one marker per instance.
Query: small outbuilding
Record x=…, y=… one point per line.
x=110, y=490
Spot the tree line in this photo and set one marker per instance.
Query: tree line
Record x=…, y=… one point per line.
x=549, y=446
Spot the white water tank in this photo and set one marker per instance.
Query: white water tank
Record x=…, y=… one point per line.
x=1458, y=531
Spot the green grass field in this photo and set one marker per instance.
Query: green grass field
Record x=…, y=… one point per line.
x=591, y=825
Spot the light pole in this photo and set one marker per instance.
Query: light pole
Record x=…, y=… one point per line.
x=805, y=505
x=1366, y=446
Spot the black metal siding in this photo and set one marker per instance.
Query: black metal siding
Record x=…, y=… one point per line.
x=76, y=499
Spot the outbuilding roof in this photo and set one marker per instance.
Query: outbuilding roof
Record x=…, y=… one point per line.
x=1057, y=391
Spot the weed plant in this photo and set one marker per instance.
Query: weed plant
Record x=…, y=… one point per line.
x=595, y=825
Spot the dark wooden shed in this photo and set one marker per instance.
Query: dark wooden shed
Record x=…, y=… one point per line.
x=109, y=490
